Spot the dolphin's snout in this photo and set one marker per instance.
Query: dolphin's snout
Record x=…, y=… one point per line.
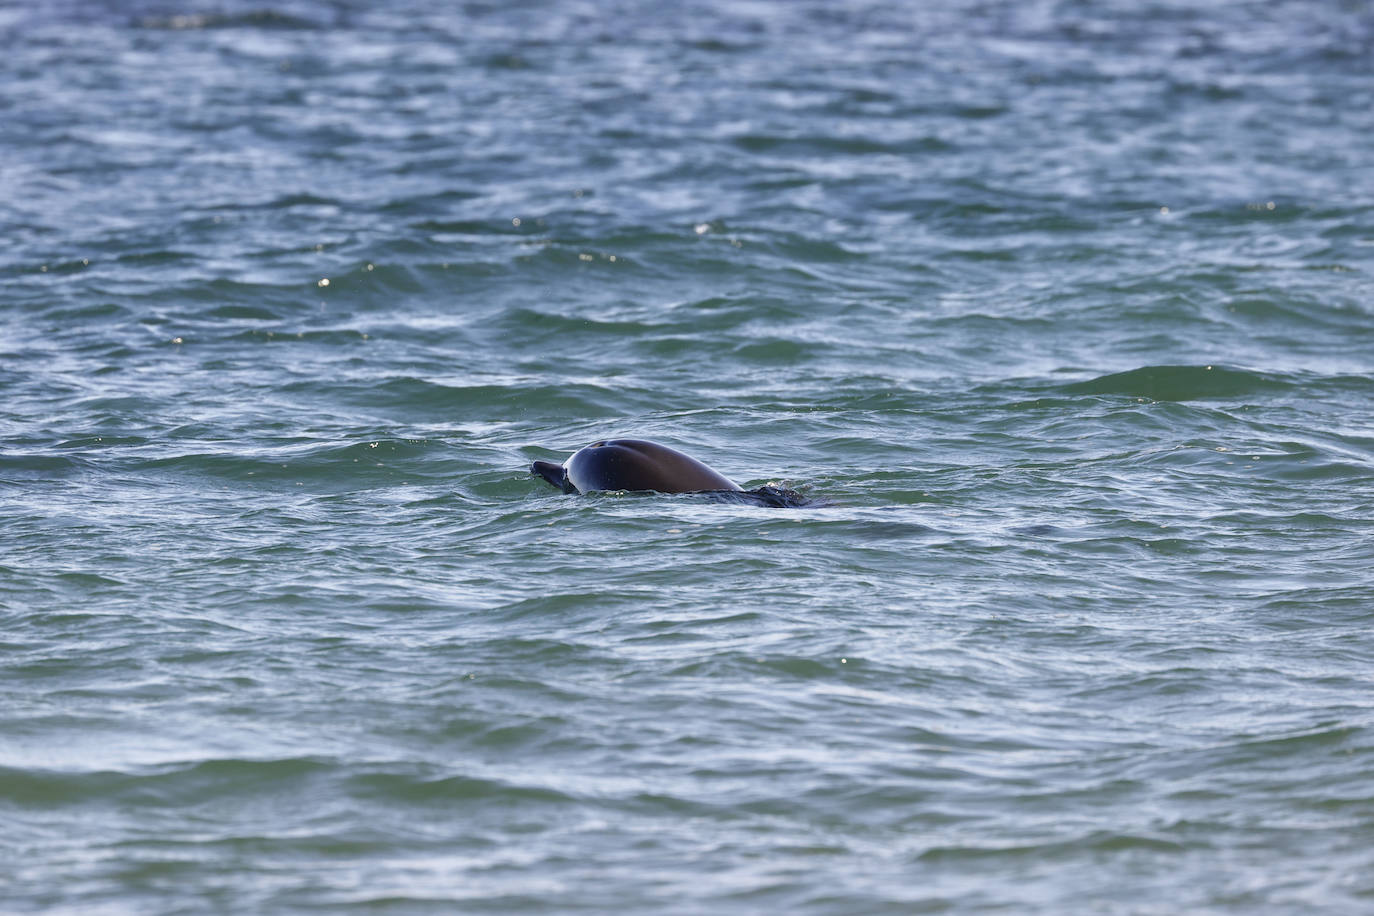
x=553, y=473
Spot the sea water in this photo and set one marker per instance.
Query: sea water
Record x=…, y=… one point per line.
x=1060, y=310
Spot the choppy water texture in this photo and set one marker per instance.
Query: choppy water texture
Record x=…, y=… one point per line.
x=1064, y=308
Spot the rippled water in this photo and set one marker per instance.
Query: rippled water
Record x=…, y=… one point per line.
x=1061, y=310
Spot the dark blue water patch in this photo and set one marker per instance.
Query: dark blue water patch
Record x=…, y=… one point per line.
x=822, y=146
x=264, y=19
x=18, y=467
x=1321, y=470
x=198, y=784
x=1317, y=608
x=431, y=789
x=1280, y=309
x=333, y=343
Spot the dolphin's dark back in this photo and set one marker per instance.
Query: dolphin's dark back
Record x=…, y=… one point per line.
x=636, y=464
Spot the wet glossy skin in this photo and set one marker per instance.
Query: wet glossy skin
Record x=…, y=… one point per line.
x=631, y=464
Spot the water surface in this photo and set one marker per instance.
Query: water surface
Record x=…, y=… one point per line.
x=1062, y=308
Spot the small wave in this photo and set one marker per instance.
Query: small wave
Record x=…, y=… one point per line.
x=36, y=466
x=329, y=466
x=513, y=399
x=1181, y=383
x=430, y=789
x=257, y=19
x=822, y=145
x=527, y=321
x=170, y=785
x=1101, y=841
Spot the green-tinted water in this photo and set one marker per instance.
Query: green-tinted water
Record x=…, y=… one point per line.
x=1061, y=309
